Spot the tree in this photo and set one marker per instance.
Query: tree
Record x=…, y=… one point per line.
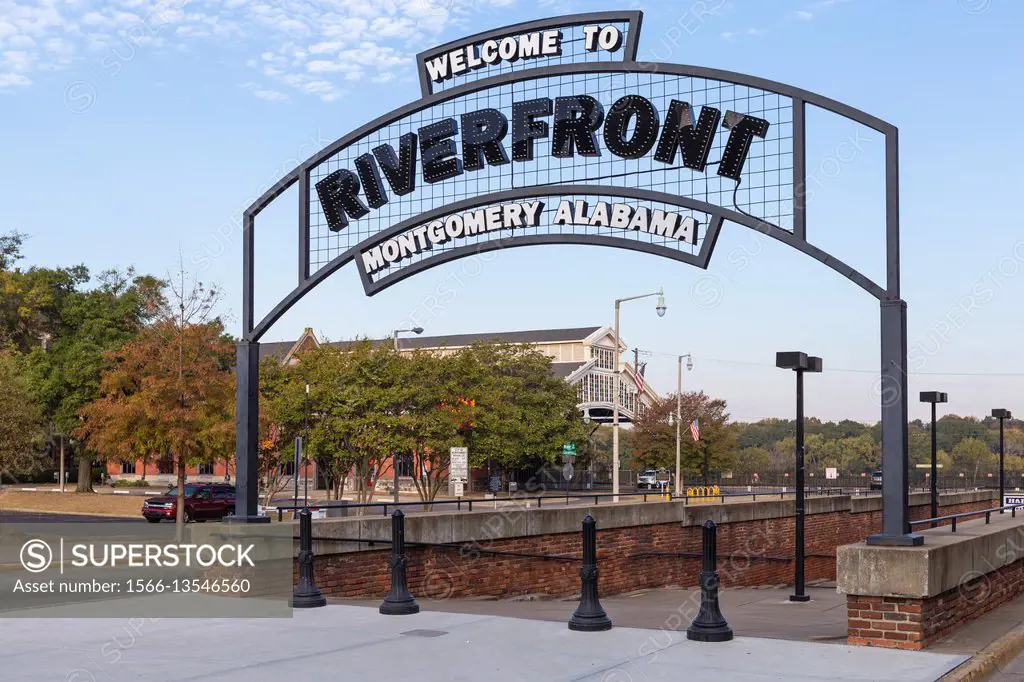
x=654, y=440
x=971, y=455
x=174, y=381
x=66, y=369
x=752, y=460
x=524, y=412
x=21, y=418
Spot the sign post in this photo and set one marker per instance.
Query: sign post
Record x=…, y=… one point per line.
x=458, y=470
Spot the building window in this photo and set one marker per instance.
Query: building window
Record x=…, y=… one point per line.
x=605, y=357
x=206, y=469
x=405, y=464
x=127, y=467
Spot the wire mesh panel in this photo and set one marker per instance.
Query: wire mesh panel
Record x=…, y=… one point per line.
x=765, y=190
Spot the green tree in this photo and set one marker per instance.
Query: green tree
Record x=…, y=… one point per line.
x=752, y=460
x=21, y=419
x=972, y=455
x=66, y=370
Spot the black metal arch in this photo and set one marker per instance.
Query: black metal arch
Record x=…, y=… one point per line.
x=896, y=528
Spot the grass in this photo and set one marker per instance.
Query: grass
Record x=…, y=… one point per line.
x=85, y=503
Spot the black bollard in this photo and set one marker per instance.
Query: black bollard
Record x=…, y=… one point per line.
x=589, y=616
x=307, y=594
x=709, y=625
x=398, y=602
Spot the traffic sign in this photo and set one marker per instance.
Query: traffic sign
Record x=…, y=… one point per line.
x=568, y=471
x=458, y=468
x=459, y=490
x=831, y=473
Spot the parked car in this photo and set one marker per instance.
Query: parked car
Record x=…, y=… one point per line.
x=876, y=480
x=203, y=501
x=651, y=479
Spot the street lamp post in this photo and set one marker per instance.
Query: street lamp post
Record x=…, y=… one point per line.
x=660, y=308
x=394, y=455
x=305, y=444
x=1002, y=415
x=62, y=475
x=934, y=397
x=679, y=417
x=800, y=363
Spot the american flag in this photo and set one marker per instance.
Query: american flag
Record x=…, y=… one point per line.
x=640, y=377
x=695, y=430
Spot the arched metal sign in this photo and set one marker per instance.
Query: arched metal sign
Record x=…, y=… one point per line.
x=550, y=132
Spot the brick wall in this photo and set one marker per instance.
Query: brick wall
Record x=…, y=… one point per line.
x=758, y=551
x=905, y=623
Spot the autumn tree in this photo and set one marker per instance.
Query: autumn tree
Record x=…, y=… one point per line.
x=654, y=440
x=174, y=382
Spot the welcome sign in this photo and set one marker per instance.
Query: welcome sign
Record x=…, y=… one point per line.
x=551, y=132
x=547, y=132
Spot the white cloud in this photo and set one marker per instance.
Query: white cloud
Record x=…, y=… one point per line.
x=9, y=79
x=265, y=93
x=315, y=47
x=805, y=15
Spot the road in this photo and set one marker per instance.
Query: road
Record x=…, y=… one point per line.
x=47, y=517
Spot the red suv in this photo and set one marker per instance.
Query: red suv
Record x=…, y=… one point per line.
x=202, y=501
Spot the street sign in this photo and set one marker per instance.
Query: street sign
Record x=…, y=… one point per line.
x=568, y=471
x=458, y=469
x=569, y=450
x=459, y=490
x=831, y=473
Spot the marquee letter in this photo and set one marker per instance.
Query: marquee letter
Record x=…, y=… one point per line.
x=482, y=132
x=373, y=260
x=438, y=151
x=679, y=132
x=337, y=193
x=617, y=124
x=524, y=129
x=563, y=216
x=687, y=230
x=742, y=129
x=437, y=68
x=401, y=170
x=576, y=119
x=372, y=186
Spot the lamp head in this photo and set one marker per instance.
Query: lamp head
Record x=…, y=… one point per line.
x=660, y=308
x=933, y=397
x=689, y=363
x=417, y=330
x=1001, y=413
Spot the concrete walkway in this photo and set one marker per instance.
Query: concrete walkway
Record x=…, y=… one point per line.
x=750, y=612
x=356, y=643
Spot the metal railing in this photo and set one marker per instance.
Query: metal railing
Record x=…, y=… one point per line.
x=953, y=517
x=568, y=498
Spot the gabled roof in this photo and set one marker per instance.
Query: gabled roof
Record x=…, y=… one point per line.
x=459, y=340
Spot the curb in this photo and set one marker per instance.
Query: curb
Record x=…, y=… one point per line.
x=990, y=659
x=66, y=513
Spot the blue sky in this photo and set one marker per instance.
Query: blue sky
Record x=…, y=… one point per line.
x=133, y=131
